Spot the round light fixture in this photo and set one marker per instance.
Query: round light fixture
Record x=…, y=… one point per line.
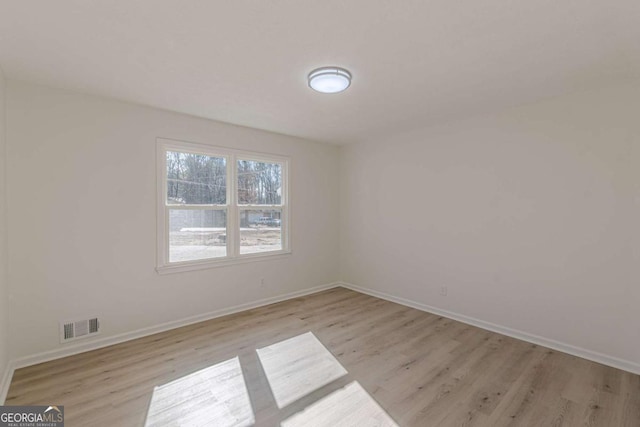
x=329, y=79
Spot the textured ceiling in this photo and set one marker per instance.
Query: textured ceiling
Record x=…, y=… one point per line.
x=414, y=63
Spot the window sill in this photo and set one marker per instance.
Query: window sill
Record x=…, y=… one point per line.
x=203, y=265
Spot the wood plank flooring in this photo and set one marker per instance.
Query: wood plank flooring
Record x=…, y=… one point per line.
x=422, y=369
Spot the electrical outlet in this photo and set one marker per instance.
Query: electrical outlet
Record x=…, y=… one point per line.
x=262, y=281
x=443, y=291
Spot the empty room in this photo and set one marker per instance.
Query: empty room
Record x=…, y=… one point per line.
x=319, y=213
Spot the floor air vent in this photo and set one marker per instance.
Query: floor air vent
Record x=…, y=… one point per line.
x=75, y=329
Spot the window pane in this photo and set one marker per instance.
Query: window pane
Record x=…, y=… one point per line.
x=196, y=179
x=259, y=183
x=197, y=234
x=260, y=231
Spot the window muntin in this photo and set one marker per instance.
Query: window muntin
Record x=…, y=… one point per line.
x=219, y=206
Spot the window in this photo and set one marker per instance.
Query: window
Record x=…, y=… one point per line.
x=219, y=206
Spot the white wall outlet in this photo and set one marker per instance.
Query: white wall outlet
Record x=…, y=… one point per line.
x=443, y=291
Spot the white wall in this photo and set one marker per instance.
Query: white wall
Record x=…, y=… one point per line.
x=530, y=217
x=4, y=294
x=82, y=207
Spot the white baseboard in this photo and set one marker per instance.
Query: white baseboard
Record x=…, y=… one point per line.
x=625, y=365
x=5, y=381
x=127, y=336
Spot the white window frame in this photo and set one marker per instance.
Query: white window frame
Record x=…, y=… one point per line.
x=232, y=207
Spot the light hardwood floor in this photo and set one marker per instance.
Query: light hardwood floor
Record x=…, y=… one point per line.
x=422, y=369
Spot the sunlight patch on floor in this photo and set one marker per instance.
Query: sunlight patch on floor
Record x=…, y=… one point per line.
x=349, y=406
x=216, y=393
x=297, y=367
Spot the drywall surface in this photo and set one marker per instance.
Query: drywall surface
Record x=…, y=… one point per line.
x=82, y=214
x=530, y=218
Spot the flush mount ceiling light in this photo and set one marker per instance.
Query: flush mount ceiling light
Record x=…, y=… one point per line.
x=329, y=79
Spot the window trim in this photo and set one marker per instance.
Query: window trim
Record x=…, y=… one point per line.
x=232, y=207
